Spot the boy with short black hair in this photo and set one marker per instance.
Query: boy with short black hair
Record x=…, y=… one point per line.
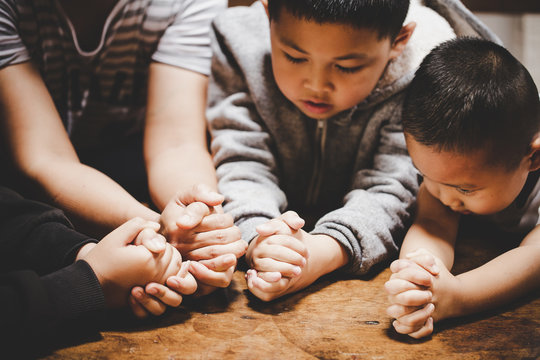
x=472, y=124
x=304, y=109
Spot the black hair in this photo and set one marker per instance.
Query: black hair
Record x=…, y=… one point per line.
x=470, y=95
x=384, y=16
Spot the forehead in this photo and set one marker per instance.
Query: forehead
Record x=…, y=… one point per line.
x=332, y=38
x=448, y=167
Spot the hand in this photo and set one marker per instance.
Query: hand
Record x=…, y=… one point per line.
x=119, y=264
x=277, y=257
x=155, y=298
x=195, y=220
x=419, y=290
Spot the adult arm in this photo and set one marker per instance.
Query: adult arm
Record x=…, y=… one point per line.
x=41, y=148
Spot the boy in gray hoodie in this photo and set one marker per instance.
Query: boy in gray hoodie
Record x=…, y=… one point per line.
x=304, y=109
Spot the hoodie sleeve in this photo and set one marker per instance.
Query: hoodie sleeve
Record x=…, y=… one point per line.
x=241, y=146
x=35, y=236
x=377, y=211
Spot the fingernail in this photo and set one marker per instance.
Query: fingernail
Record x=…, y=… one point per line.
x=158, y=243
x=174, y=282
x=152, y=291
x=435, y=269
x=184, y=219
x=138, y=293
x=297, y=270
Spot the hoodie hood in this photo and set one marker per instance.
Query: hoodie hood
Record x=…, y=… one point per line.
x=436, y=22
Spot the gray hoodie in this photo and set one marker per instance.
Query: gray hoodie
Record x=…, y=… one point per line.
x=352, y=171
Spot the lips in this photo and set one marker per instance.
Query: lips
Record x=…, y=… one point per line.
x=316, y=107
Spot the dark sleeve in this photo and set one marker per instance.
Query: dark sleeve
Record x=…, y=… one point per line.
x=35, y=236
x=31, y=306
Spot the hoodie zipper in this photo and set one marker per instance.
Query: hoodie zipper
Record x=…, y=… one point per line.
x=318, y=164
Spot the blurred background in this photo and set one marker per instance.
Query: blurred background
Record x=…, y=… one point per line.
x=516, y=22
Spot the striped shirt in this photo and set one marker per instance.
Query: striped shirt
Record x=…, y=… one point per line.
x=101, y=94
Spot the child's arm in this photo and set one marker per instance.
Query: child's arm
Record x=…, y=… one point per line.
x=433, y=232
x=120, y=265
x=42, y=150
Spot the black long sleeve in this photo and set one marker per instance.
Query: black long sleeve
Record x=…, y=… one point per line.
x=40, y=286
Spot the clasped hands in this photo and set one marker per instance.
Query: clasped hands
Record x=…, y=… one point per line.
x=421, y=291
x=209, y=244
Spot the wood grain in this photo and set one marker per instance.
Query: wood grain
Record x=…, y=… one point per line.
x=335, y=318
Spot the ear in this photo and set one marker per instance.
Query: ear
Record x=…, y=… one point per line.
x=534, y=155
x=401, y=39
x=265, y=4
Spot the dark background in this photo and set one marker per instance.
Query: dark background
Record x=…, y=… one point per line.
x=511, y=6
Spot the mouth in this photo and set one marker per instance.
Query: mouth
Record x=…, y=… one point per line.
x=316, y=107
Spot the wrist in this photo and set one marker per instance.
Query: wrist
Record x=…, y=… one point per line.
x=84, y=250
x=326, y=254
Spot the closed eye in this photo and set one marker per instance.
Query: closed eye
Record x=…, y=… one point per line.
x=293, y=59
x=349, y=70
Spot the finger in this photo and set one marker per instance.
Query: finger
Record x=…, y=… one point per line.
x=424, y=259
x=202, y=193
x=396, y=311
x=164, y=294
x=404, y=329
x=400, y=264
x=154, y=242
x=149, y=303
x=292, y=219
x=213, y=278
x=127, y=232
x=264, y=290
x=274, y=226
x=137, y=308
x=271, y=265
x=396, y=286
x=237, y=248
x=193, y=215
x=217, y=237
x=426, y=330
x=411, y=298
x=215, y=221
x=183, y=283
x=220, y=263
x=289, y=242
x=418, y=318
x=269, y=276
x=416, y=275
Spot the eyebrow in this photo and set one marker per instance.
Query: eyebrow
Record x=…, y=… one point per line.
x=462, y=186
x=351, y=56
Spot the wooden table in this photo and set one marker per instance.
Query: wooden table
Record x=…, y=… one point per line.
x=332, y=319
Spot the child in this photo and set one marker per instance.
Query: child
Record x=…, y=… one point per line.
x=304, y=113
x=51, y=273
x=82, y=82
x=472, y=125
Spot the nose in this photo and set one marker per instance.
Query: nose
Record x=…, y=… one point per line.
x=317, y=80
x=448, y=199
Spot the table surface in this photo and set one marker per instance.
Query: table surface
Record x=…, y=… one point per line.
x=335, y=318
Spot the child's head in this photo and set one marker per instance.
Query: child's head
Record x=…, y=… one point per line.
x=472, y=120
x=327, y=55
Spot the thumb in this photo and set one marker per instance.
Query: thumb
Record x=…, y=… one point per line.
x=202, y=193
x=128, y=231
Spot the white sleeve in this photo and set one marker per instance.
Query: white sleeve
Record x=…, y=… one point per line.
x=186, y=42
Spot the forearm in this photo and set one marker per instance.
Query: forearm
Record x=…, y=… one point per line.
x=192, y=166
x=89, y=196
x=433, y=239
x=499, y=281
x=325, y=254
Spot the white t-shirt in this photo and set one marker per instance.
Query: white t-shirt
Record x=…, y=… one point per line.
x=101, y=94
